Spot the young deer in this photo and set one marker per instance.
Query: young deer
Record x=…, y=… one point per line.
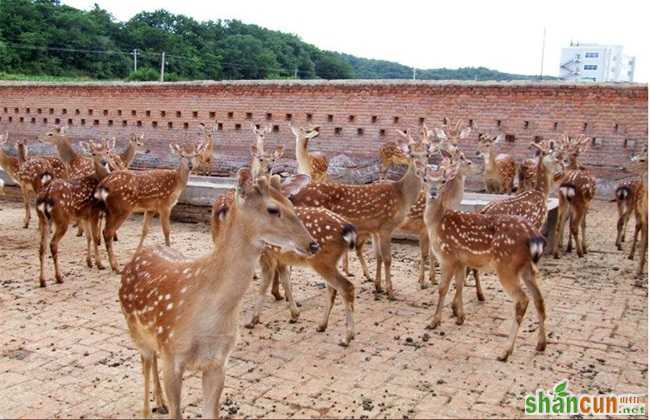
x=375, y=209
x=76, y=164
x=390, y=154
x=62, y=202
x=507, y=243
x=639, y=164
x=530, y=205
x=186, y=311
x=204, y=161
x=577, y=189
x=313, y=164
x=500, y=168
x=154, y=191
x=262, y=162
x=628, y=193
x=135, y=146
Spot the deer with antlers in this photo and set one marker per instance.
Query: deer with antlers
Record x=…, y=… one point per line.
x=376, y=209
x=507, y=243
x=577, y=189
x=500, y=168
x=135, y=146
x=153, y=191
x=313, y=164
x=186, y=311
x=390, y=155
x=62, y=202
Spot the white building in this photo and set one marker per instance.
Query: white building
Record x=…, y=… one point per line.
x=598, y=63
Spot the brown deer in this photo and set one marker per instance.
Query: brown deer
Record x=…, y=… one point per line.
x=627, y=194
x=577, y=189
x=499, y=175
x=530, y=205
x=204, y=161
x=186, y=311
x=639, y=164
x=62, y=202
x=375, y=209
x=10, y=164
x=313, y=164
x=390, y=154
x=153, y=191
x=507, y=243
x=135, y=146
x=77, y=164
x=262, y=161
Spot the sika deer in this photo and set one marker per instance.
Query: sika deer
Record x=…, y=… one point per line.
x=313, y=164
x=204, y=161
x=500, y=168
x=376, y=209
x=154, y=191
x=507, y=243
x=530, y=205
x=135, y=146
x=76, y=164
x=62, y=202
x=639, y=164
x=577, y=189
x=186, y=311
x=628, y=193
x=262, y=162
x=9, y=164
x=390, y=154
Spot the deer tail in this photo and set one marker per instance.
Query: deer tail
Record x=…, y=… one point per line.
x=349, y=235
x=536, y=245
x=44, y=205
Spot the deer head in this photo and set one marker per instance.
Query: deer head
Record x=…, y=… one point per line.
x=486, y=144
x=188, y=153
x=54, y=136
x=550, y=155
x=275, y=220
x=100, y=153
x=418, y=151
x=451, y=135
x=137, y=142
x=303, y=135
x=263, y=162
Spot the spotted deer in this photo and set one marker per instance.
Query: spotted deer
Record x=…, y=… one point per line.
x=313, y=164
x=77, y=165
x=507, y=243
x=204, y=161
x=500, y=168
x=151, y=191
x=530, y=205
x=639, y=164
x=375, y=209
x=186, y=311
x=135, y=146
x=10, y=164
x=390, y=155
x=627, y=194
x=577, y=189
x=62, y=202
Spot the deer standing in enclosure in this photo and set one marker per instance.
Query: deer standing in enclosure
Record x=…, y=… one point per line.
x=76, y=164
x=135, y=146
x=376, y=209
x=204, y=161
x=153, y=191
x=313, y=164
x=577, y=189
x=507, y=243
x=628, y=193
x=500, y=168
x=530, y=205
x=639, y=164
x=62, y=202
x=186, y=311
x=390, y=154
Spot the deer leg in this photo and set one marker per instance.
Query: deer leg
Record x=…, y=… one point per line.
x=378, y=258
x=173, y=381
x=529, y=279
x=575, y=225
x=113, y=222
x=213, y=380
x=620, y=226
x=59, y=232
x=384, y=246
x=345, y=264
x=165, y=217
x=644, y=249
x=161, y=408
x=510, y=283
x=85, y=226
x=447, y=274
x=424, y=256
x=479, y=290
x=562, y=216
x=583, y=231
x=94, y=231
x=44, y=228
x=337, y=282
x=331, y=296
x=284, y=275
x=146, y=371
x=80, y=230
x=275, y=287
x=269, y=269
x=27, y=202
x=457, y=303
x=362, y=259
x=145, y=227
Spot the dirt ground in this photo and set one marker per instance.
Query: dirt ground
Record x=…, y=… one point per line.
x=65, y=351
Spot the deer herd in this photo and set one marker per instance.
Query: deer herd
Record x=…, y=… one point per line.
x=309, y=220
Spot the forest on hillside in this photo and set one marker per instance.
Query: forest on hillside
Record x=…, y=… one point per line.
x=47, y=38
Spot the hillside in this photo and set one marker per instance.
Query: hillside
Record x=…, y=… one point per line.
x=47, y=39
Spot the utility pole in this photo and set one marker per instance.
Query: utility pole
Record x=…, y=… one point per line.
x=413, y=73
x=135, y=59
x=162, y=67
x=541, y=70
x=295, y=73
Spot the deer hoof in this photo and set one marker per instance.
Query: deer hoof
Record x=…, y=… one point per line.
x=89, y=263
x=423, y=285
x=503, y=357
x=433, y=325
x=100, y=266
x=460, y=320
x=26, y=226
x=630, y=257
x=41, y=283
x=480, y=297
x=59, y=278
x=294, y=318
x=541, y=346
x=321, y=328
x=161, y=410
x=278, y=296
x=344, y=343
x=556, y=256
x=254, y=321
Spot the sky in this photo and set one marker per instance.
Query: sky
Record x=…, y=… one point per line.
x=503, y=35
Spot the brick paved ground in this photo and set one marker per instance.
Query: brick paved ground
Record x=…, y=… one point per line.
x=65, y=351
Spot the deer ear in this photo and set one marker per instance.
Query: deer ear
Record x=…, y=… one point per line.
x=293, y=130
x=500, y=138
x=440, y=133
x=276, y=182
x=243, y=183
x=313, y=133
x=279, y=151
x=465, y=133
x=262, y=185
x=171, y=148
x=294, y=184
x=254, y=150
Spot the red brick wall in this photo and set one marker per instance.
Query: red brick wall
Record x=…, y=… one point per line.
x=616, y=114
